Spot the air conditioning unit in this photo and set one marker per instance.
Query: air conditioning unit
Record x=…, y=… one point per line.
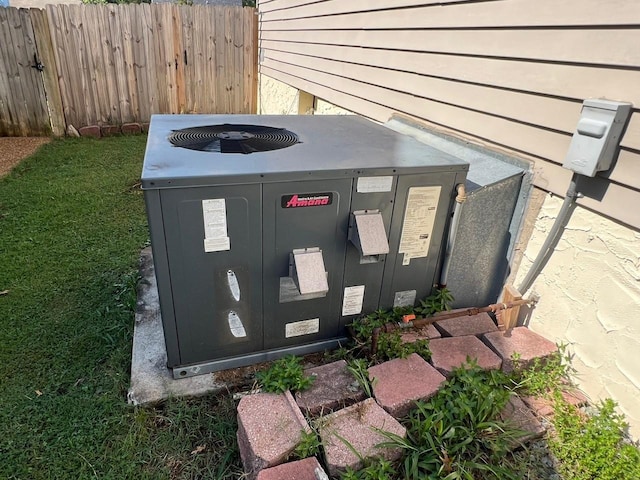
x=271, y=233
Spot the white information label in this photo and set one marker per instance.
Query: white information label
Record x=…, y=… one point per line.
x=419, y=217
x=304, y=327
x=214, y=216
x=217, y=244
x=374, y=184
x=353, y=299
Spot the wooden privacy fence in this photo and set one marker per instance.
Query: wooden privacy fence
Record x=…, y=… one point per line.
x=115, y=64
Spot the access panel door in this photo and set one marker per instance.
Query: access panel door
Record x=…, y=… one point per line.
x=420, y=215
x=297, y=216
x=214, y=246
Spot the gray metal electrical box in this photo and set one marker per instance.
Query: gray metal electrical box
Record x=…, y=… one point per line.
x=597, y=136
x=271, y=233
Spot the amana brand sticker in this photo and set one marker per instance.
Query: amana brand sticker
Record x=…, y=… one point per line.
x=299, y=200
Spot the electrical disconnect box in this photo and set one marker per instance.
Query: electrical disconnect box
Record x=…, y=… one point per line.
x=597, y=136
x=271, y=233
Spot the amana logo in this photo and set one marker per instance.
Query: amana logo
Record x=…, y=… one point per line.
x=306, y=200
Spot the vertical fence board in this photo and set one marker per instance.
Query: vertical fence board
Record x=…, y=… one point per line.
x=209, y=66
x=229, y=58
x=219, y=55
x=84, y=73
x=77, y=112
x=237, y=44
x=95, y=61
x=125, y=12
x=247, y=61
x=7, y=116
x=186, y=52
x=47, y=56
x=15, y=51
x=120, y=65
x=254, y=55
x=147, y=35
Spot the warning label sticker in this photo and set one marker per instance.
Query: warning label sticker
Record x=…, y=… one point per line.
x=304, y=327
x=214, y=216
x=353, y=299
x=419, y=217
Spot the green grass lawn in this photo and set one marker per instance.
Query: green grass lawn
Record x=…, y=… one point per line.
x=72, y=224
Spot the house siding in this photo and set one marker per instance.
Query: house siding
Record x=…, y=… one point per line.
x=510, y=74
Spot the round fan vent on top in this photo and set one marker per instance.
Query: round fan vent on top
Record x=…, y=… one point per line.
x=229, y=138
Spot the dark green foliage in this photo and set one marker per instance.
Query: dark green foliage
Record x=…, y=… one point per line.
x=457, y=434
x=284, y=374
x=594, y=447
x=389, y=344
x=439, y=301
x=309, y=446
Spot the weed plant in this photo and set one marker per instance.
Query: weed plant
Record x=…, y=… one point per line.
x=358, y=367
x=309, y=445
x=284, y=374
x=545, y=376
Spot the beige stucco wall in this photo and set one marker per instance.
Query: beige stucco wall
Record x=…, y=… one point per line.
x=278, y=98
x=590, y=299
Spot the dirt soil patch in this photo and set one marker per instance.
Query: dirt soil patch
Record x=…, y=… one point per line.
x=14, y=149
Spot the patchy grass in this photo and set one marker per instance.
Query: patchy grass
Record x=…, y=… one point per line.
x=72, y=224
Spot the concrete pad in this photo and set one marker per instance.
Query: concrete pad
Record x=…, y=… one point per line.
x=449, y=353
x=334, y=388
x=526, y=344
x=357, y=425
x=399, y=383
x=307, y=469
x=269, y=428
x=425, y=333
x=151, y=380
x=466, y=325
x=521, y=417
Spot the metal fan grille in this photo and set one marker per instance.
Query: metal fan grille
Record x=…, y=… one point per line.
x=229, y=138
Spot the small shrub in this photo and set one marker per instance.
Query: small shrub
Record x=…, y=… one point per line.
x=593, y=447
x=284, y=374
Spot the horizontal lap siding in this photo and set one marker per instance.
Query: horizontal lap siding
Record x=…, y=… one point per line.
x=509, y=73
